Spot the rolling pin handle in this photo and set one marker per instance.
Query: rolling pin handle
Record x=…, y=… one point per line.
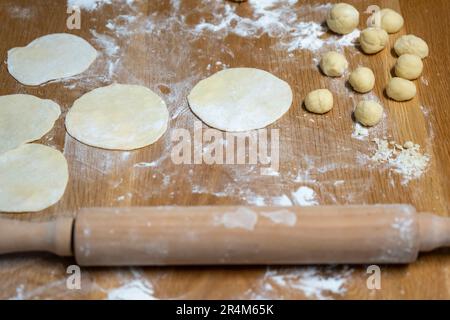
x=24, y=236
x=434, y=232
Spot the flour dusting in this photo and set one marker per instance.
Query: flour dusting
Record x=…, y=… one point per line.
x=305, y=196
x=242, y=218
x=313, y=282
x=87, y=4
x=407, y=160
x=134, y=290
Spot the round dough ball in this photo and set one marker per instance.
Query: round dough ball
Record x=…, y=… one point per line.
x=50, y=57
x=409, y=67
x=362, y=80
x=319, y=101
x=333, y=64
x=33, y=177
x=25, y=118
x=373, y=40
x=240, y=99
x=400, y=89
x=118, y=117
x=343, y=18
x=412, y=45
x=391, y=20
x=368, y=113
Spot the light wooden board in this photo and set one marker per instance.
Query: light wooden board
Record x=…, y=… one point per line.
x=315, y=151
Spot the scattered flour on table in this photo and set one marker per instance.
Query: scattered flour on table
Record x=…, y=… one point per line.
x=314, y=282
x=360, y=132
x=281, y=19
x=87, y=4
x=305, y=196
x=17, y=12
x=134, y=290
x=407, y=160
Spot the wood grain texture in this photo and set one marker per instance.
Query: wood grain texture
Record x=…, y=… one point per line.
x=170, y=63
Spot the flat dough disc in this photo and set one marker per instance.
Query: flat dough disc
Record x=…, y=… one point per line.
x=118, y=117
x=25, y=118
x=50, y=57
x=33, y=177
x=240, y=99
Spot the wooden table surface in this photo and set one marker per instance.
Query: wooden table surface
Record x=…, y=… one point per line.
x=169, y=57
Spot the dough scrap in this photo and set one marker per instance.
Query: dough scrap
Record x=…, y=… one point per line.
x=240, y=99
x=362, y=80
x=33, y=177
x=343, y=18
x=413, y=45
x=50, y=57
x=409, y=67
x=118, y=117
x=319, y=101
x=373, y=40
x=401, y=89
x=333, y=64
x=368, y=113
x=25, y=118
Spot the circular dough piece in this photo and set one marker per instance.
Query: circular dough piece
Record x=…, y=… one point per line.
x=412, y=45
x=240, y=99
x=118, y=117
x=391, y=20
x=362, y=80
x=50, y=57
x=373, y=40
x=319, y=101
x=368, y=113
x=333, y=64
x=343, y=18
x=400, y=89
x=409, y=67
x=25, y=118
x=33, y=177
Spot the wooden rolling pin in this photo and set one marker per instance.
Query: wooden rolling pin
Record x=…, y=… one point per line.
x=162, y=236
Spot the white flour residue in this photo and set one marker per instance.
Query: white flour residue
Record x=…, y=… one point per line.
x=285, y=217
x=87, y=4
x=138, y=289
x=281, y=19
x=243, y=218
x=17, y=12
x=407, y=161
x=305, y=196
x=360, y=132
x=282, y=201
x=313, y=282
x=405, y=227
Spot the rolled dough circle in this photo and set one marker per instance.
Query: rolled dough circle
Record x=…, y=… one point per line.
x=118, y=117
x=240, y=99
x=25, y=118
x=33, y=177
x=50, y=57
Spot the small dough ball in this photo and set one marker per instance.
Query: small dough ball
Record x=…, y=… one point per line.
x=343, y=18
x=373, y=40
x=412, y=45
x=409, y=67
x=408, y=145
x=362, y=80
x=391, y=20
x=400, y=89
x=333, y=64
x=368, y=113
x=319, y=101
